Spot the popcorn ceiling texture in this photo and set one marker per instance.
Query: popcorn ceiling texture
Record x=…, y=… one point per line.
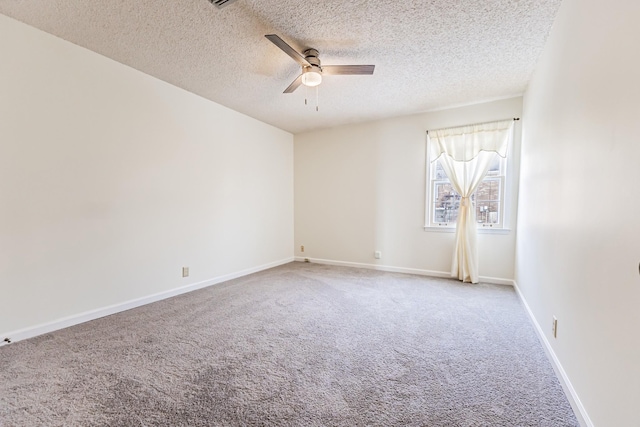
x=429, y=54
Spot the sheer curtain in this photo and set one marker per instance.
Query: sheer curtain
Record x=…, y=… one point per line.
x=465, y=154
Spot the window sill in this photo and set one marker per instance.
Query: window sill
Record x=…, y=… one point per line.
x=481, y=230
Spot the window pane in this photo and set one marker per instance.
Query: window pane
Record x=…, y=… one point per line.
x=494, y=169
x=446, y=203
x=488, y=190
x=488, y=212
x=438, y=172
x=488, y=202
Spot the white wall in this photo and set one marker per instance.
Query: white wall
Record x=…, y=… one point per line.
x=361, y=188
x=578, y=228
x=111, y=181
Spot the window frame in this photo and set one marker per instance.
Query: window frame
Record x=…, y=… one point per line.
x=504, y=178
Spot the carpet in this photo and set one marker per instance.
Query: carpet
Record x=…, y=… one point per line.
x=296, y=345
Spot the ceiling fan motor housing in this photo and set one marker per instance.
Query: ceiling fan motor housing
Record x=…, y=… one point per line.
x=311, y=55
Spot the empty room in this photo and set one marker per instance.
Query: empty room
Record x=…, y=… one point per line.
x=261, y=213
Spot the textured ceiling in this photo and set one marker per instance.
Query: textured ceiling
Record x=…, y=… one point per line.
x=429, y=54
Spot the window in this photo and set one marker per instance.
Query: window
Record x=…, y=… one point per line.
x=443, y=201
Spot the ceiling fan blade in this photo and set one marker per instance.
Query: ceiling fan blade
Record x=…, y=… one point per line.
x=288, y=49
x=294, y=85
x=337, y=70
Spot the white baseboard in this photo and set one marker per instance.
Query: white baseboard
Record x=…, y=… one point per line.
x=431, y=273
x=570, y=392
x=75, y=319
x=22, y=334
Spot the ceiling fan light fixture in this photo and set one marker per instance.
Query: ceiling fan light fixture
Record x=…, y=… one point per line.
x=311, y=76
x=312, y=71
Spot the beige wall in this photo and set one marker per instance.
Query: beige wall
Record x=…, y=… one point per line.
x=111, y=181
x=578, y=223
x=361, y=188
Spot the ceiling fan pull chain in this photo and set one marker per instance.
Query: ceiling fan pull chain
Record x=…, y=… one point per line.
x=306, y=94
x=317, y=91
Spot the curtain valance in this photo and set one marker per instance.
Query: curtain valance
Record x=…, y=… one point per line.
x=464, y=143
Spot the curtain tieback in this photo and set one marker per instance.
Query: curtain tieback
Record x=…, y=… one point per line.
x=464, y=201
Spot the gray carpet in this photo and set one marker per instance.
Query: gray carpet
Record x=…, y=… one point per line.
x=297, y=345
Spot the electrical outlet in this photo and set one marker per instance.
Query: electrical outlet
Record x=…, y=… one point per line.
x=377, y=254
x=302, y=248
x=554, y=327
x=185, y=271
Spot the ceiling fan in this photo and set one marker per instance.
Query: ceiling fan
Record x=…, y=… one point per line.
x=312, y=71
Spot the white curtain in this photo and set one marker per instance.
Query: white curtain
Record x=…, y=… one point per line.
x=466, y=153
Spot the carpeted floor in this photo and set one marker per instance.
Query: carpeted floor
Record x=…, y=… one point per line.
x=297, y=345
